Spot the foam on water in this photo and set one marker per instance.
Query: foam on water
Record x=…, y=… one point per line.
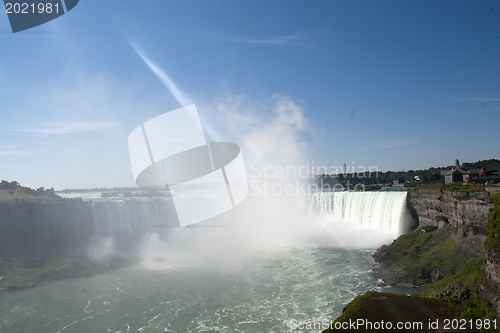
x=269, y=291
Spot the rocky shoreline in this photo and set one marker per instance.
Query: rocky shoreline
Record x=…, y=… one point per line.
x=445, y=257
x=425, y=256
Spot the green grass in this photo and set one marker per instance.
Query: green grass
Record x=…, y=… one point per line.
x=15, y=192
x=462, y=288
x=409, y=243
x=492, y=242
x=442, y=255
x=14, y=196
x=450, y=188
x=10, y=195
x=427, y=188
x=410, y=258
x=414, y=255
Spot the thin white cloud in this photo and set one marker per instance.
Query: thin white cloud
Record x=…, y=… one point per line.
x=164, y=78
x=481, y=111
x=479, y=99
x=391, y=143
x=280, y=40
x=12, y=152
x=67, y=127
x=305, y=39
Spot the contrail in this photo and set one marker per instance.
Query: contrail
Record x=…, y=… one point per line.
x=169, y=84
x=210, y=132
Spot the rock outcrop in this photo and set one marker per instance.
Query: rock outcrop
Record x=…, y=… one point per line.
x=492, y=291
x=466, y=213
x=493, y=267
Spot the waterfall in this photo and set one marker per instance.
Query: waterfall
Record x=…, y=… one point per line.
x=345, y=219
x=127, y=219
x=381, y=212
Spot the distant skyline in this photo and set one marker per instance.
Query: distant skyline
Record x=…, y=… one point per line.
x=394, y=84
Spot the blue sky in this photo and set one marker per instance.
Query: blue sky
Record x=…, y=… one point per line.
x=392, y=84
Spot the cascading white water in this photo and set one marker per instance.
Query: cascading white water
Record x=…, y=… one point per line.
x=115, y=216
x=383, y=213
x=126, y=220
x=351, y=219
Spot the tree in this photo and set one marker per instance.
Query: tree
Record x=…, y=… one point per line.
x=5, y=185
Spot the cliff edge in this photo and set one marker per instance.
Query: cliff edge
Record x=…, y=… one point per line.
x=453, y=256
x=466, y=213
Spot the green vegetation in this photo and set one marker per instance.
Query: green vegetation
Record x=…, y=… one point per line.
x=431, y=176
x=450, y=188
x=13, y=191
x=462, y=289
x=479, y=164
x=457, y=270
x=449, y=269
x=492, y=242
x=361, y=187
x=459, y=273
x=415, y=256
x=376, y=307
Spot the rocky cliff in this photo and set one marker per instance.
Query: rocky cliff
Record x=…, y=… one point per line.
x=466, y=213
x=492, y=267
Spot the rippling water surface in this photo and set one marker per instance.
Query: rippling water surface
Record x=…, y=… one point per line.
x=266, y=292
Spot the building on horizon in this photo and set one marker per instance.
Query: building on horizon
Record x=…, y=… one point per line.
x=486, y=175
x=457, y=174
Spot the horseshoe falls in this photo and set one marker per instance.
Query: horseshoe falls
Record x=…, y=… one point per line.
x=362, y=219
x=183, y=284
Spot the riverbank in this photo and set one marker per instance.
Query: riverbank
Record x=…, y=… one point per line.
x=445, y=257
x=383, y=312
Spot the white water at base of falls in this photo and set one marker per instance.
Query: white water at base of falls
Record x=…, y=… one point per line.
x=362, y=219
x=259, y=290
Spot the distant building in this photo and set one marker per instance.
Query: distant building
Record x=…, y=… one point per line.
x=396, y=183
x=457, y=174
x=489, y=174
